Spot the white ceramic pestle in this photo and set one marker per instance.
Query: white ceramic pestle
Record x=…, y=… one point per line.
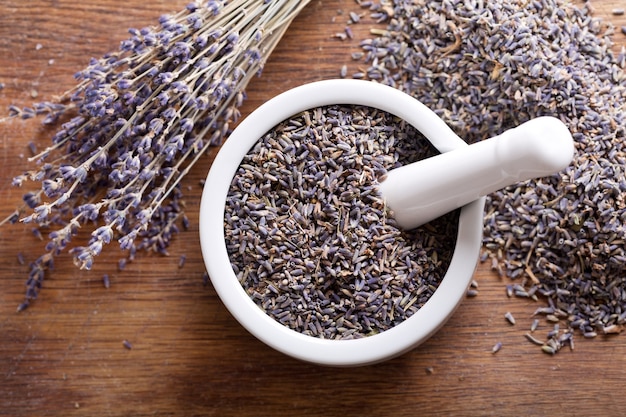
x=420, y=192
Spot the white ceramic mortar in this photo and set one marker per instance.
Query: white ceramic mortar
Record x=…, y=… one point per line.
x=385, y=345
x=436, y=311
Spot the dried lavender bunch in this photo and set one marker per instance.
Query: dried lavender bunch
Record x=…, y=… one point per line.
x=488, y=66
x=137, y=121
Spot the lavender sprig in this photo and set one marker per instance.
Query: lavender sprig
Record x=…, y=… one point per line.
x=135, y=124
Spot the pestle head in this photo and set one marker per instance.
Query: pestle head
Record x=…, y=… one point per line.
x=422, y=191
x=537, y=148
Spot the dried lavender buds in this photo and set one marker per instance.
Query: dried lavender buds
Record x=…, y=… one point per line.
x=136, y=122
x=484, y=67
x=309, y=236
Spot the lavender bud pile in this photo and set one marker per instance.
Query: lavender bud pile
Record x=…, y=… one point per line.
x=486, y=66
x=136, y=122
x=308, y=233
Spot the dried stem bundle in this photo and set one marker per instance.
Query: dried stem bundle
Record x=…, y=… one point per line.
x=137, y=121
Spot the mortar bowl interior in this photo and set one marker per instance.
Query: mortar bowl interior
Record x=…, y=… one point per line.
x=355, y=352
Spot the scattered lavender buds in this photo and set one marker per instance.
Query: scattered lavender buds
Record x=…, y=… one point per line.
x=472, y=291
x=557, y=339
x=308, y=233
x=484, y=67
x=136, y=122
x=534, y=325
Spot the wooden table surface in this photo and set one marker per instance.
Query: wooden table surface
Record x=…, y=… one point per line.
x=64, y=355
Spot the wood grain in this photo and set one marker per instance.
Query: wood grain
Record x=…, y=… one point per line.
x=64, y=355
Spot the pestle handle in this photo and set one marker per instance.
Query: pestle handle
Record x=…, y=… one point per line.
x=420, y=192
